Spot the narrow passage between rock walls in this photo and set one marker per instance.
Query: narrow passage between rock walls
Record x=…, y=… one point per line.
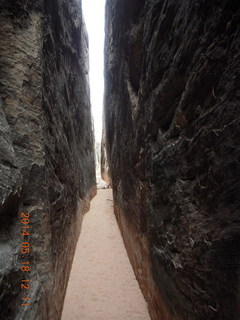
x=102, y=285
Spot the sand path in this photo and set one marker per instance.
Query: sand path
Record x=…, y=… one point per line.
x=102, y=285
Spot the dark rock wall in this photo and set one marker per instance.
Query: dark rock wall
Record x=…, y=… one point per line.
x=104, y=161
x=47, y=157
x=172, y=72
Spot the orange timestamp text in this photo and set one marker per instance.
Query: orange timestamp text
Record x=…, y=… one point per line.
x=25, y=249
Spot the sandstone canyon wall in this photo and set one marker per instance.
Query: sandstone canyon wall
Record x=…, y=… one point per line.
x=46, y=150
x=104, y=161
x=172, y=71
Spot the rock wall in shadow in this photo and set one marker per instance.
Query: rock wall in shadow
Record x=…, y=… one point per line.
x=46, y=151
x=104, y=161
x=172, y=72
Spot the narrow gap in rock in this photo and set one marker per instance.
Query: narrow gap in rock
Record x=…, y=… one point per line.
x=102, y=283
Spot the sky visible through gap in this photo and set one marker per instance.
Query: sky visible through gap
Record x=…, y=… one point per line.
x=94, y=15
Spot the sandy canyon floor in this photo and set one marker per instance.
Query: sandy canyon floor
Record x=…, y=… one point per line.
x=102, y=285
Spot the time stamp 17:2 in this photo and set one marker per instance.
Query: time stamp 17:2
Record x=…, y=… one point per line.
x=24, y=252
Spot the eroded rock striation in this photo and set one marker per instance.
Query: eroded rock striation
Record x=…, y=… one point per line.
x=172, y=72
x=46, y=150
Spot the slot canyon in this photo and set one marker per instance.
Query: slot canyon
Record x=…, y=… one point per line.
x=170, y=158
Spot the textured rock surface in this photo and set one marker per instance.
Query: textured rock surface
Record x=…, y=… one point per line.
x=172, y=127
x=104, y=162
x=46, y=149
